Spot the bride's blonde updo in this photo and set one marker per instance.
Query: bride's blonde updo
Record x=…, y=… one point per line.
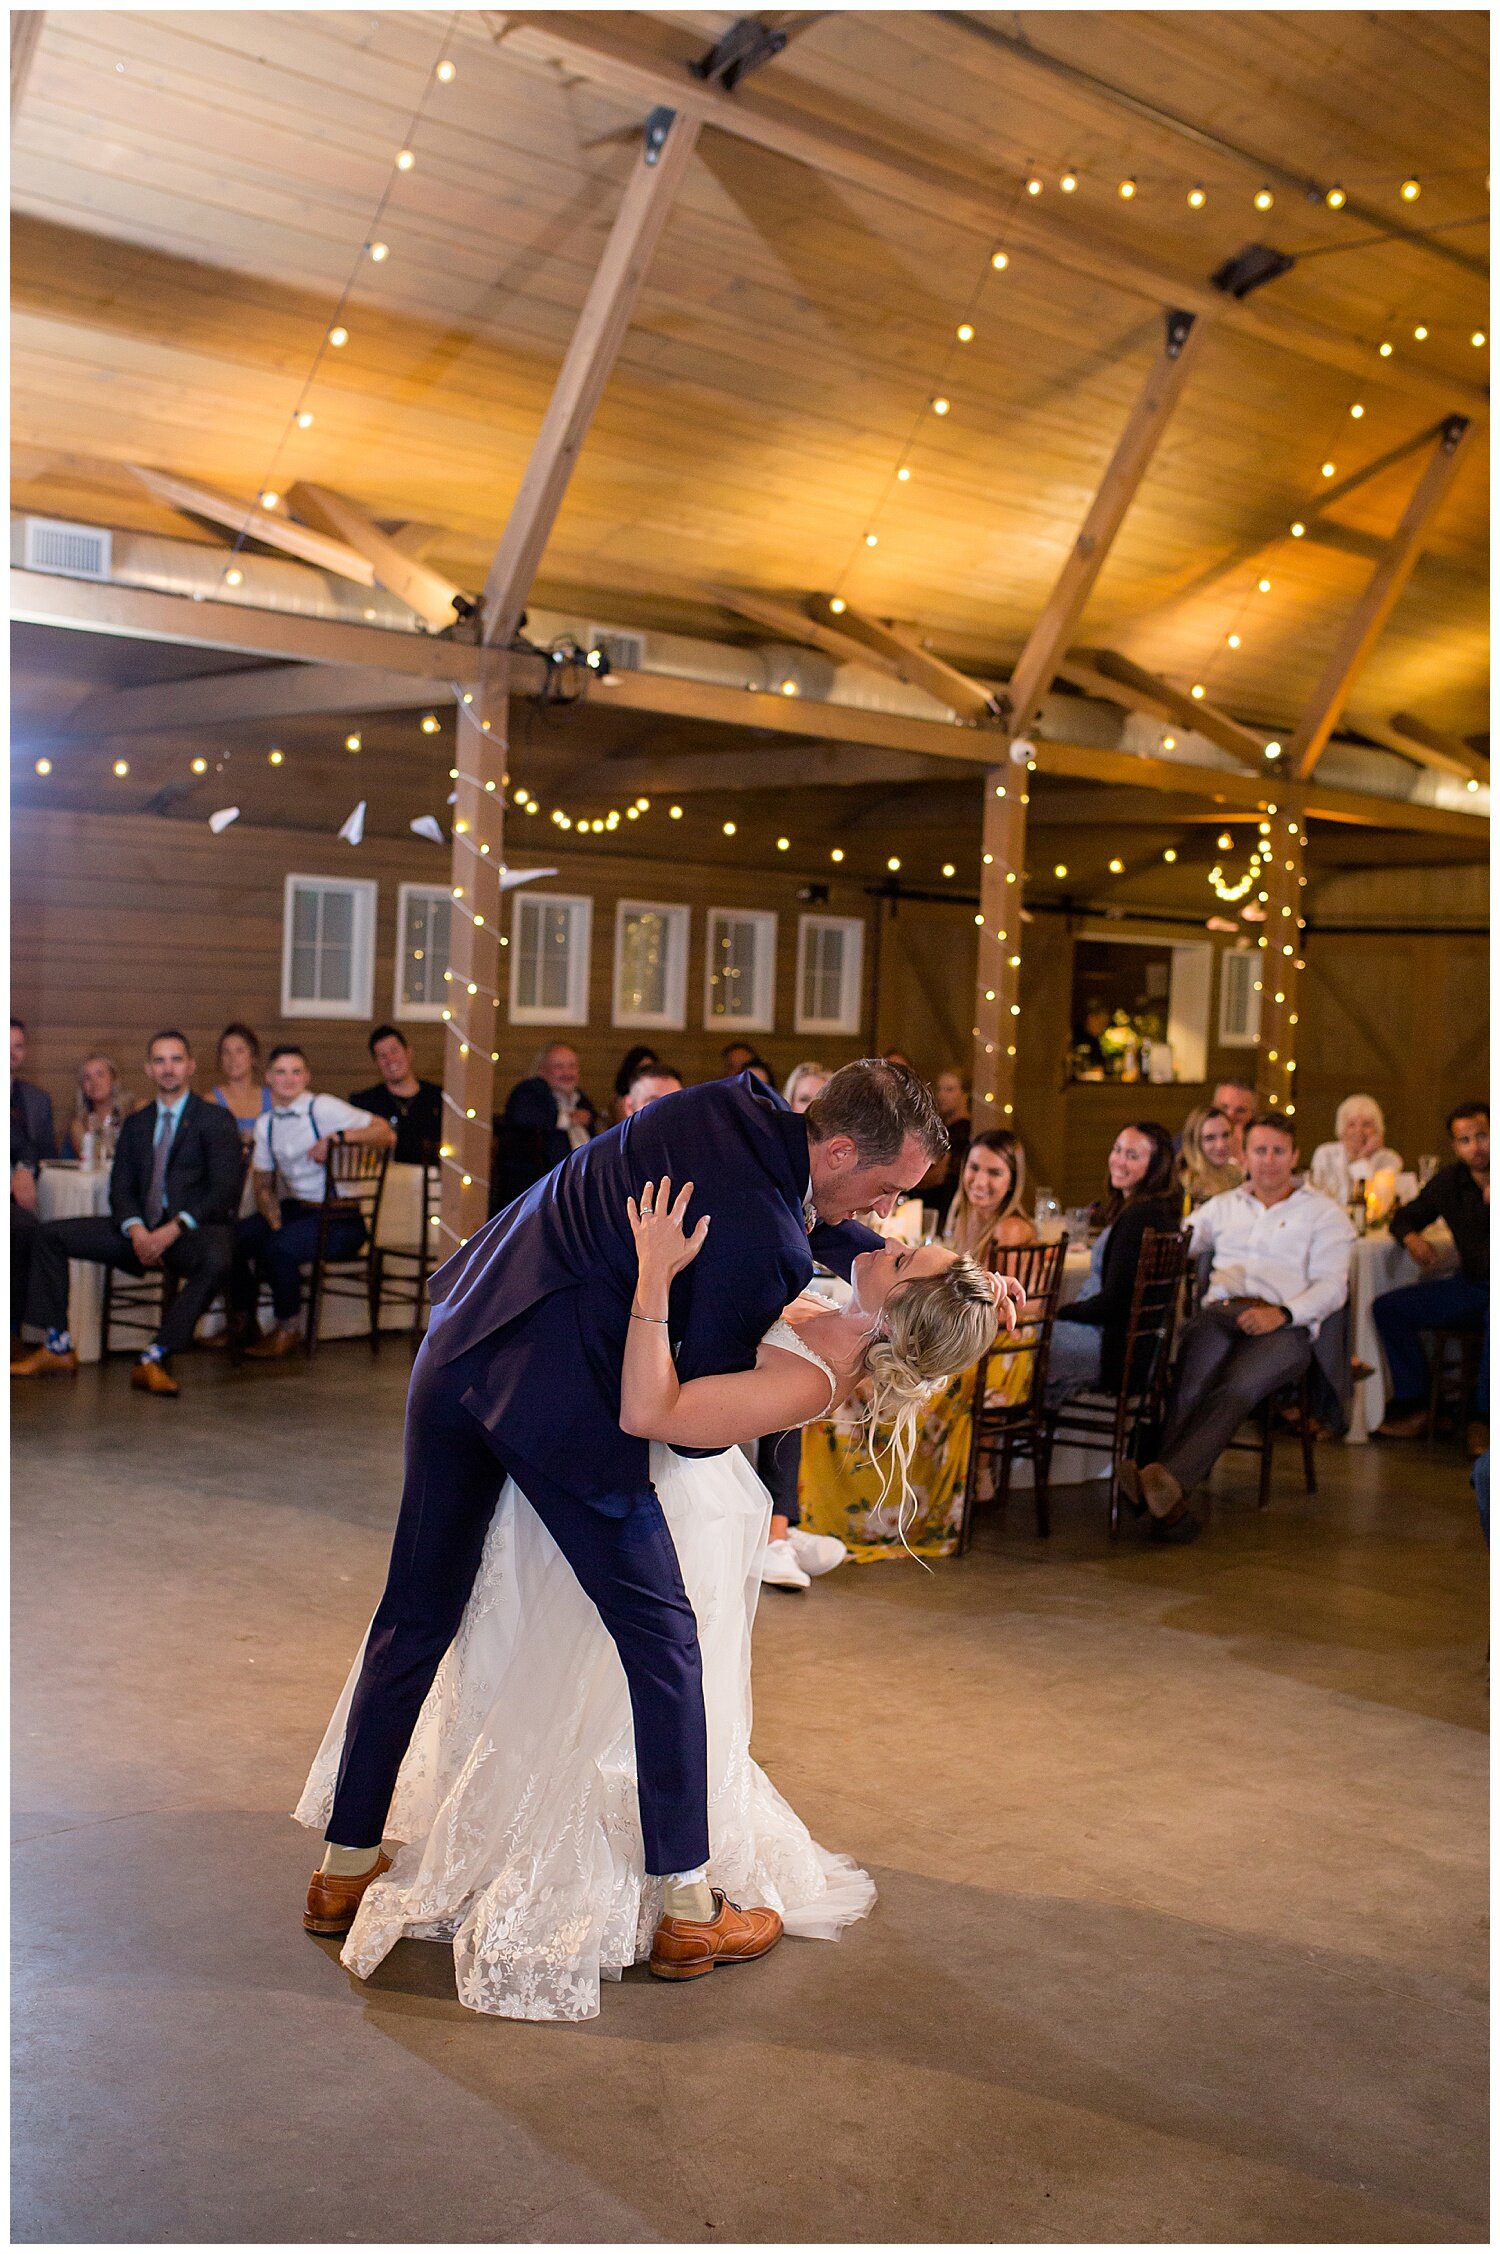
x=931, y=1328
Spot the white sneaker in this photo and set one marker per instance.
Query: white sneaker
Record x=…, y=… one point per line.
x=779, y=1568
x=816, y=1553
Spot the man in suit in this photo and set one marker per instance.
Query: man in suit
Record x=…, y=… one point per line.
x=519, y=1375
x=32, y=1139
x=173, y=1191
x=545, y=1117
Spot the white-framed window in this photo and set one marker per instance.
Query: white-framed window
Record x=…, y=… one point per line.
x=830, y=972
x=739, y=971
x=549, y=958
x=424, y=937
x=1239, y=998
x=651, y=951
x=328, y=946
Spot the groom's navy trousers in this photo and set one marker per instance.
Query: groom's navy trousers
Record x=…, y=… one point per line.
x=627, y=1564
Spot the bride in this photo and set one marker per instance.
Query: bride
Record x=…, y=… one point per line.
x=516, y=1802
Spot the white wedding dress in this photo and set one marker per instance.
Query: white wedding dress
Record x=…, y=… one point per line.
x=516, y=1802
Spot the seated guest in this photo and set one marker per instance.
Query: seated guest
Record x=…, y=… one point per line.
x=1280, y=1269
x=941, y=1186
x=101, y=1109
x=804, y=1084
x=1341, y=1168
x=630, y=1065
x=1460, y=1195
x=545, y=1117
x=173, y=1189
x=986, y=1213
x=32, y=1140
x=651, y=1082
x=240, y=1090
x=292, y=1143
x=414, y=1107
x=1239, y=1101
x=737, y=1057
x=1088, y=1337
x=1205, y=1160
x=762, y=1071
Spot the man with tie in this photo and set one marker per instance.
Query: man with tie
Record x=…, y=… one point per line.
x=173, y=1191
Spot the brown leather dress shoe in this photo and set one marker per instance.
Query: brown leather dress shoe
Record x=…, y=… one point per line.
x=684, y=1948
x=42, y=1362
x=154, y=1377
x=274, y=1345
x=1411, y=1426
x=332, y=1902
x=1164, y=1496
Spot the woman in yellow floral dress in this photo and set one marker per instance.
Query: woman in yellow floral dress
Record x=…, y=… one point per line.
x=840, y=1490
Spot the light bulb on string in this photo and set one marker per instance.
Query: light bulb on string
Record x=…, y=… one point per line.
x=1335, y=198
x=1411, y=188
x=1420, y=332
x=941, y=406
x=1356, y=412
x=1034, y=185
x=903, y=477
x=404, y=160
x=44, y=766
x=1328, y=469
x=338, y=337
x=1068, y=182
x=999, y=259
x=379, y=253
x=872, y=539
x=270, y=500
x=446, y=72
x=1233, y=641
x=837, y=854
x=1126, y=190
x=838, y=606
x=1197, y=197
x=304, y=419
x=1298, y=530
x=1477, y=339
x=1263, y=586
x=1386, y=350
x=1263, y=199
x=965, y=332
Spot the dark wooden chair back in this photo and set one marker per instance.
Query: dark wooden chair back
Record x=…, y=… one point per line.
x=355, y=1183
x=1000, y=1431
x=1117, y=1425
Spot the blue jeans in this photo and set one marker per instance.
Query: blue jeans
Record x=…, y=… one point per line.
x=1401, y=1316
x=1073, y=1360
x=276, y=1256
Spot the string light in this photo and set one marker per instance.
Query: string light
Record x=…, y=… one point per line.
x=903, y=475
x=1386, y=350
x=1273, y=751
x=1336, y=199
x=1170, y=854
x=837, y=854
x=122, y=766
x=1477, y=338
x=1068, y=182
x=447, y=72
x=200, y=766
x=1117, y=868
x=838, y=606
x=276, y=758
x=1328, y=469
x=234, y=577
x=379, y=253
x=872, y=540
x=729, y=828
x=1169, y=743
x=1410, y=189
x=1033, y=186
x=965, y=332
x=1000, y=260
x=674, y=813
x=352, y=743
x=304, y=419
x=405, y=160
x=1126, y=190
x=941, y=406
x=1197, y=691
x=1298, y=530
x=894, y=863
x=1061, y=869
x=1226, y=842
x=269, y=500
x=1263, y=586
x=950, y=871
x=1263, y=199
x=1197, y=197
x=430, y=723
x=1420, y=332
x=44, y=766
x=338, y=337
x=1233, y=640
x=1356, y=411
x=783, y=845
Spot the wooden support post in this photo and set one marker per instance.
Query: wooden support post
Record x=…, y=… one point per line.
x=997, y=1004
x=25, y=31
x=477, y=955
x=1281, y=958
x=669, y=143
x=1366, y=621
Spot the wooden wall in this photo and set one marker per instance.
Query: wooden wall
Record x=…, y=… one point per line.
x=123, y=923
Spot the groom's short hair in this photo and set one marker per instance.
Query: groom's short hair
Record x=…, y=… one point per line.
x=877, y=1105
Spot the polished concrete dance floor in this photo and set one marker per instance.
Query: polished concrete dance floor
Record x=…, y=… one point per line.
x=1180, y=1857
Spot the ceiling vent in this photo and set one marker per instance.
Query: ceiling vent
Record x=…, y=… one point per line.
x=79, y=551
x=626, y=652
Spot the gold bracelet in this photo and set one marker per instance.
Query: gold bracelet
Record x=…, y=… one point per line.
x=662, y=1319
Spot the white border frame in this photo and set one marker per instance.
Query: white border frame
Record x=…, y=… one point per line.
x=366, y=891
x=576, y=1011
x=762, y=1018
x=419, y=1013
x=848, y=1020
x=679, y=921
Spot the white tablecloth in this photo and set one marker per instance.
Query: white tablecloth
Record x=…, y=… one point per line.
x=69, y=1193
x=1380, y=1264
x=1069, y=1466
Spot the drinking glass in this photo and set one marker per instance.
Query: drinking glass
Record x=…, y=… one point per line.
x=1426, y=1168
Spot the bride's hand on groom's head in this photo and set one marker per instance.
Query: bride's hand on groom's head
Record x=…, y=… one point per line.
x=656, y=1222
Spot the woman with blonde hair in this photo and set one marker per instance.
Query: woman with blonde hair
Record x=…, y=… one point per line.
x=1205, y=1161
x=985, y=1215
x=1341, y=1168
x=805, y=1083
x=101, y=1109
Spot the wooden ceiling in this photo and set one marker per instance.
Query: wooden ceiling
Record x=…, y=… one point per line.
x=192, y=189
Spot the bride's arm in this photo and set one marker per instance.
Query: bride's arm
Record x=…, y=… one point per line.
x=709, y=1412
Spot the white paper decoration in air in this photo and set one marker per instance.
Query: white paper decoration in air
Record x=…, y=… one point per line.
x=428, y=825
x=353, y=830
x=223, y=818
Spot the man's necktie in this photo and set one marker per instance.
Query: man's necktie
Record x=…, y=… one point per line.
x=156, y=1197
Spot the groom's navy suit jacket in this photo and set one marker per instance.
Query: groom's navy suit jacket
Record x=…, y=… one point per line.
x=550, y=1279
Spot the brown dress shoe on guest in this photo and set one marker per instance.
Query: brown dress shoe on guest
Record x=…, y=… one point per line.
x=42, y=1362
x=155, y=1377
x=272, y=1347
x=1164, y=1496
x=684, y=1948
x=332, y=1902
x=1413, y=1426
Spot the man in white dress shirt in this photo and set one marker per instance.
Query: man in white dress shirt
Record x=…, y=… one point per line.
x=1280, y=1269
x=292, y=1143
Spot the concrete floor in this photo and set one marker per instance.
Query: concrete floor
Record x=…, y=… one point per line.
x=1180, y=1856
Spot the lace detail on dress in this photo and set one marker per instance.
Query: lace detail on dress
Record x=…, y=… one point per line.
x=517, y=1800
x=790, y=1339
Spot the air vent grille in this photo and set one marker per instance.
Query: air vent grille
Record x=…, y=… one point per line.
x=79, y=551
x=626, y=652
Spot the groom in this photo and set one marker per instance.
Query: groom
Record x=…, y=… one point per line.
x=519, y=1376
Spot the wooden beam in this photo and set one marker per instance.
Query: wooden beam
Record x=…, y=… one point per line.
x=808, y=767
x=1279, y=945
x=433, y=597
x=25, y=31
x=477, y=957
x=902, y=654
x=255, y=523
x=651, y=61
x=1003, y=825
x=600, y=331
x=40, y=598
x=792, y=625
x=1148, y=692
x=784, y=716
x=1366, y=621
x=1438, y=747
x=275, y=692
